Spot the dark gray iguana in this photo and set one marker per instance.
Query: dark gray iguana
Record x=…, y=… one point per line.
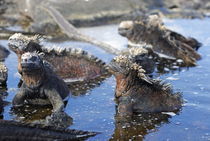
x=165, y=43
x=16, y=131
x=40, y=85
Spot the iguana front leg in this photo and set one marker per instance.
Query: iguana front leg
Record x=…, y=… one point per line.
x=55, y=99
x=125, y=106
x=19, y=98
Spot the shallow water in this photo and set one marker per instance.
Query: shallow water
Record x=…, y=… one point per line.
x=95, y=111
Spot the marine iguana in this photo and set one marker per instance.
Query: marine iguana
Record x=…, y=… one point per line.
x=3, y=73
x=40, y=85
x=135, y=92
x=142, y=56
x=151, y=30
x=13, y=131
x=69, y=63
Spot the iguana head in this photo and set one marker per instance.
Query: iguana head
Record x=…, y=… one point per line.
x=31, y=62
x=33, y=70
x=127, y=73
x=126, y=28
x=131, y=29
x=125, y=66
x=141, y=56
x=20, y=43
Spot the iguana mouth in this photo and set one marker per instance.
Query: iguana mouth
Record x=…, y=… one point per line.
x=30, y=67
x=123, y=31
x=125, y=28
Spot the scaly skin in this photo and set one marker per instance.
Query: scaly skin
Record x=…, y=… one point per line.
x=151, y=30
x=13, y=131
x=135, y=92
x=3, y=73
x=70, y=64
x=40, y=85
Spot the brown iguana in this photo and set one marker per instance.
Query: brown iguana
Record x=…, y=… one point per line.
x=68, y=63
x=165, y=42
x=135, y=92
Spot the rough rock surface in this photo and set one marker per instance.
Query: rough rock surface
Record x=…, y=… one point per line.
x=97, y=12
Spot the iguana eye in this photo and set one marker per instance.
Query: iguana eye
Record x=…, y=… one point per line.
x=33, y=58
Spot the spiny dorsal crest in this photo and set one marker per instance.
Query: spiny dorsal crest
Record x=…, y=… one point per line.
x=129, y=64
x=151, y=21
x=21, y=41
x=154, y=20
x=72, y=52
x=19, y=36
x=135, y=51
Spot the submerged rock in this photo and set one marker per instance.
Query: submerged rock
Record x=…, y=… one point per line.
x=96, y=12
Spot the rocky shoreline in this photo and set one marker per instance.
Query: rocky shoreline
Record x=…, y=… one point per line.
x=29, y=14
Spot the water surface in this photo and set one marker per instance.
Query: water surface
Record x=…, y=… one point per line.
x=95, y=110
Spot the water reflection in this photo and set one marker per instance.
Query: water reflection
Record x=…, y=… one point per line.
x=95, y=111
x=81, y=88
x=137, y=127
x=41, y=115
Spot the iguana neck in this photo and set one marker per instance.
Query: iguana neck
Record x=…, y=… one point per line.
x=124, y=83
x=34, y=79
